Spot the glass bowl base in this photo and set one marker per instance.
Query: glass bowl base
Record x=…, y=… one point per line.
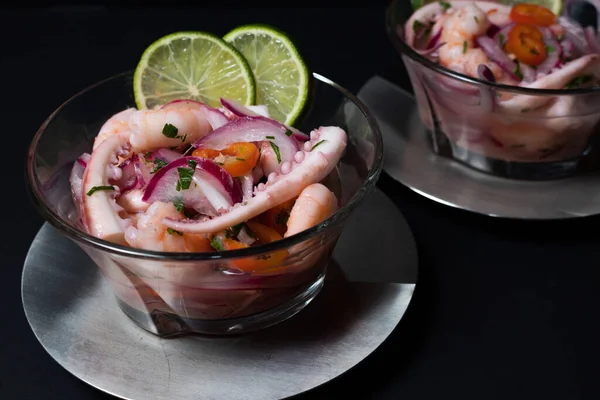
x=505, y=169
x=166, y=324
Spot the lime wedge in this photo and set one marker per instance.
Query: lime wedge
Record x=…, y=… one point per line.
x=555, y=6
x=282, y=78
x=192, y=65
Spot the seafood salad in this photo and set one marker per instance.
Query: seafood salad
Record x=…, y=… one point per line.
x=187, y=177
x=522, y=46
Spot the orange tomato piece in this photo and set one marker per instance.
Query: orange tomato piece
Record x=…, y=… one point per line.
x=527, y=45
x=239, y=158
x=532, y=14
x=266, y=263
x=277, y=216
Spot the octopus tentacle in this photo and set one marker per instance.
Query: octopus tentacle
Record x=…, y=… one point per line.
x=311, y=165
x=100, y=210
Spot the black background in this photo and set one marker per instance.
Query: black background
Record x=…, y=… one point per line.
x=503, y=309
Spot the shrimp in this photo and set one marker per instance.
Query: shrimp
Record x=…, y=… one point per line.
x=147, y=128
x=459, y=53
x=315, y=204
x=116, y=124
x=151, y=234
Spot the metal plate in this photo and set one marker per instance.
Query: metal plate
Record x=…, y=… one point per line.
x=74, y=316
x=409, y=160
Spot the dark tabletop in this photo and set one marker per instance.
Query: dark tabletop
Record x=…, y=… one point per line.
x=502, y=310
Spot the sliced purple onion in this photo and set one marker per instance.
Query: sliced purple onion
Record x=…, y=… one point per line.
x=553, y=53
x=501, y=36
x=245, y=237
x=252, y=129
x=143, y=174
x=568, y=49
x=487, y=93
x=167, y=155
x=575, y=34
x=237, y=109
x=215, y=118
x=260, y=109
x=430, y=51
x=211, y=190
x=492, y=30
x=496, y=54
x=528, y=73
x=591, y=40
x=83, y=160
x=435, y=39
x=247, y=185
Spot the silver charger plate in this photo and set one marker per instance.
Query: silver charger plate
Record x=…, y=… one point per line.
x=409, y=159
x=75, y=317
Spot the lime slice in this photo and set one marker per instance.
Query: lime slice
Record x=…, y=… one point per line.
x=192, y=65
x=282, y=78
x=553, y=5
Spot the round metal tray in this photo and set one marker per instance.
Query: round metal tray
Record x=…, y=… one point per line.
x=409, y=159
x=370, y=283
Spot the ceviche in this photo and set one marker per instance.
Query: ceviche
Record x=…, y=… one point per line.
x=187, y=177
x=524, y=46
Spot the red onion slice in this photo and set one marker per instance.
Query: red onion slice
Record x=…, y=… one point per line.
x=575, y=34
x=553, y=52
x=496, y=54
x=166, y=155
x=501, y=36
x=210, y=185
x=592, y=41
x=260, y=110
x=252, y=129
x=215, y=118
x=237, y=109
x=487, y=93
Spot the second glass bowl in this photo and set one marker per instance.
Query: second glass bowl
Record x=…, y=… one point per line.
x=467, y=124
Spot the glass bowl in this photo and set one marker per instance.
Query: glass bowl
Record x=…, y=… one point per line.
x=176, y=293
x=540, y=134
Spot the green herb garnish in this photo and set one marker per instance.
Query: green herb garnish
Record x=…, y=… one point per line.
x=501, y=39
x=170, y=131
x=185, y=176
x=464, y=47
x=288, y=132
x=518, y=72
x=417, y=25
x=158, y=164
x=240, y=159
x=580, y=80
x=276, y=150
x=550, y=49
x=178, y=203
x=445, y=5
x=476, y=19
x=173, y=231
x=216, y=243
x=98, y=188
x=317, y=144
x=270, y=137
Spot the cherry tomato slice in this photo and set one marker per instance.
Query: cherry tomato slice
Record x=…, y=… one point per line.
x=267, y=263
x=277, y=216
x=532, y=14
x=527, y=45
x=239, y=158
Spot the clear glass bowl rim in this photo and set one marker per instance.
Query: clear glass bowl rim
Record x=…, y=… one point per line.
x=57, y=222
x=405, y=49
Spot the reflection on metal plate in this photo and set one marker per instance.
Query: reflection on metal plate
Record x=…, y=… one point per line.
x=76, y=319
x=409, y=160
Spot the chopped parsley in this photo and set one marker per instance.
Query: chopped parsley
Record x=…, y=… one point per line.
x=240, y=159
x=580, y=80
x=288, y=132
x=185, y=176
x=518, y=72
x=173, y=231
x=464, y=47
x=550, y=49
x=316, y=145
x=270, y=137
x=501, y=40
x=417, y=26
x=276, y=150
x=216, y=243
x=445, y=5
x=178, y=203
x=171, y=131
x=158, y=164
x=476, y=19
x=98, y=188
